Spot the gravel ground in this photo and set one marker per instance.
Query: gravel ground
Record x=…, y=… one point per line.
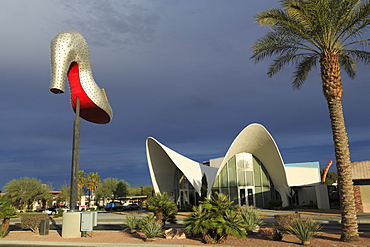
x=320, y=239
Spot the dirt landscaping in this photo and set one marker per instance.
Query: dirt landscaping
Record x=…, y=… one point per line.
x=320, y=239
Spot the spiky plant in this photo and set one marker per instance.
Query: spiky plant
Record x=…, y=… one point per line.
x=132, y=222
x=151, y=228
x=304, y=229
x=251, y=218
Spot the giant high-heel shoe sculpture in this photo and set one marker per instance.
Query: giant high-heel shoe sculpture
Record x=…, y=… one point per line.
x=70, y=57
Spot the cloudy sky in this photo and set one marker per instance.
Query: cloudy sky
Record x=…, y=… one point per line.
x=179, y=71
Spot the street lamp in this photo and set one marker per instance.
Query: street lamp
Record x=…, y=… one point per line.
x=70, y=58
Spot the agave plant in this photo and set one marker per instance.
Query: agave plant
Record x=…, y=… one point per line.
x=251, y=218
x=132, y=223
x=151, y=228
x=304, y=229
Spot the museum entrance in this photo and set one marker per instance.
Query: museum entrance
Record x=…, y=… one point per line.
x=246, y=196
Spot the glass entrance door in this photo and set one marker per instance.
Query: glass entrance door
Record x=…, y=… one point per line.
x=183, y=197
x=246, y=196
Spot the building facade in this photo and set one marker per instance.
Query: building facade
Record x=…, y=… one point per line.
x=252, y=172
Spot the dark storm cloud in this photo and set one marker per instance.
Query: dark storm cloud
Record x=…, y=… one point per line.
x=178, y=71
x=118, y=22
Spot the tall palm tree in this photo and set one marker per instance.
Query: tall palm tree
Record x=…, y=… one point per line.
x=92, y=182
x=331, y=33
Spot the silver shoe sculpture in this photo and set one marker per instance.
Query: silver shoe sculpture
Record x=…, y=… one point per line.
x=70, y=58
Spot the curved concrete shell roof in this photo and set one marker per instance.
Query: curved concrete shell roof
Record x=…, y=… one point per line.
x=253, y=139
x=163, y=161
x=256, y=140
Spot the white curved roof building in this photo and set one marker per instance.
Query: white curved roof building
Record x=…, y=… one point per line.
x=251, y=173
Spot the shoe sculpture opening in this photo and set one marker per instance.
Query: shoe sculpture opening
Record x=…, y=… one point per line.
x=70, y=58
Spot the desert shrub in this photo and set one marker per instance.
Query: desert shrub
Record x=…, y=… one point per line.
x=59, y=213
x=277, y=235
x=151, y=228
x=304, y=229
x=132, y=223
x=282, y=221
x=251, y=218
x=32, y=221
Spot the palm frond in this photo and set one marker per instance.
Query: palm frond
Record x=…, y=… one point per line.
x=304, y=29
x=303, y=69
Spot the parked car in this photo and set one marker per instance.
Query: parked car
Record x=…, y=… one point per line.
x=55, y=209
x=132, y=206
x=114, y=206
x=51, y=210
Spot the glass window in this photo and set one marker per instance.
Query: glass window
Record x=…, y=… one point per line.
x=258, y=196
x=257, y=173
x=250, y=180
x=266, y=196
x=234, y=194
x=223, y=177
x=240, y=170
x=265, y=178
x=232, y=172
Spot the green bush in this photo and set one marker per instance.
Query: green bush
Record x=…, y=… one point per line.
x=151, y=228
x=132, y=223
x=59, y=214
x=215, y=219
x=304, y=229
x=32, y=221
x=163, y=207
x=251, y=218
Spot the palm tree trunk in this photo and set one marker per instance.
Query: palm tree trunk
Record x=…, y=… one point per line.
x=343, y=163
x=332, y=88
x=5, y=224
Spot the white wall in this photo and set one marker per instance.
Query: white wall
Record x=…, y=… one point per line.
x=306, y=195
x=216, y=162
x=299, y=176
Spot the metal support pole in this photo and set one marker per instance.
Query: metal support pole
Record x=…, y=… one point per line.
x=75, y=158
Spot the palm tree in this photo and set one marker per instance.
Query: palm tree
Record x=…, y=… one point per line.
x=329, y=32
x=7, y=211
x=215, y=219
x=92, y=182
x=163, y=207
x=81, y=183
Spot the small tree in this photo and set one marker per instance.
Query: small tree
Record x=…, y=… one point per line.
x=23, y=192
x=163, y=207
x=215, y=219
x=121, y=189
x=65, y=194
